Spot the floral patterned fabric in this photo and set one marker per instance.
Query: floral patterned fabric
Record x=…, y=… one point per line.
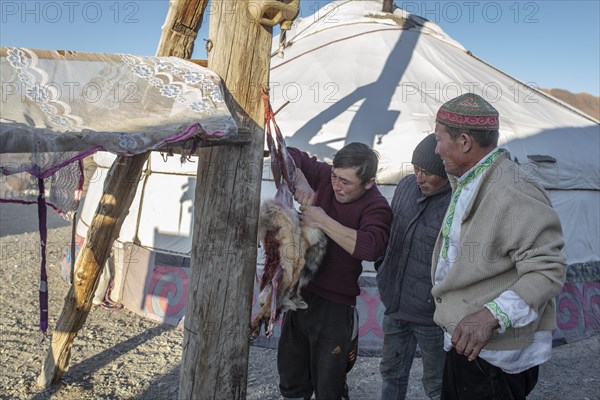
x=57, y=109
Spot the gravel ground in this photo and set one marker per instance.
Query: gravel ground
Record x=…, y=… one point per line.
x=119, y=355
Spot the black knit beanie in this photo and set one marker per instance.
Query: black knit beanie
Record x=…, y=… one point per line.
x=425, y=158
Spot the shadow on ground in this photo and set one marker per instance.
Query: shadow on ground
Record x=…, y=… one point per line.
x=80, y=372
x=22, y=218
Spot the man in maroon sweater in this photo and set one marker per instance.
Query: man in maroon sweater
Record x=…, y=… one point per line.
x=345, y=203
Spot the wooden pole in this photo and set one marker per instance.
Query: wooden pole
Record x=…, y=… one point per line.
x=119, y=190
x=181, y=28
x=215, y=344
x=388, y=6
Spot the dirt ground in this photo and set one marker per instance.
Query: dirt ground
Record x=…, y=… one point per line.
x=119, y=355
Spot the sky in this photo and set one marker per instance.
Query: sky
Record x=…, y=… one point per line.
x=550, y=44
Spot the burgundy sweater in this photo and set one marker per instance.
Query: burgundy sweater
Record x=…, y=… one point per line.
x=371, y=216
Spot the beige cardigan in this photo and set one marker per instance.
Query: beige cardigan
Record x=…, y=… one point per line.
x=511, y=239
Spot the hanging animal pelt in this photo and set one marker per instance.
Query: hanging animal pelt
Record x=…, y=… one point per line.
x=292, y=257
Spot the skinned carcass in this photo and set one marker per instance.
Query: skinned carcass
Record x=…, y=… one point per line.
x=292, y=257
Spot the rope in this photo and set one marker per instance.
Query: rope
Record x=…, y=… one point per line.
x=335, y=41
x=333, y=10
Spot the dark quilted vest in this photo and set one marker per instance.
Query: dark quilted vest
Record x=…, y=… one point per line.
x=404, y=277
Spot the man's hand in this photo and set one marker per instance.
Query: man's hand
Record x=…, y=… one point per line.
x=303, y=193
x=312, y=216
x=316, y=217
x=473, y=332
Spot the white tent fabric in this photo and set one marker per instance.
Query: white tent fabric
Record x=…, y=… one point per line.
x=58, y=108
x=358, y=74
x=161, y=214
x=354, y=73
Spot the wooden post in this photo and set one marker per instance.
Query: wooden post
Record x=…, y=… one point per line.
x=119, y=190
x=215, y=343
x=388, y=6
x=181, y=27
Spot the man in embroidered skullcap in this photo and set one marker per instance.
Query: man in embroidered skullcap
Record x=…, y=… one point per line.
x=497, y=264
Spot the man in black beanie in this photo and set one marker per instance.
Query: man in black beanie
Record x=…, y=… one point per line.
x=404, y=277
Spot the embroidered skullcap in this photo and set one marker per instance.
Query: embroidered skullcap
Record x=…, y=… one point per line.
x=425, y=158
x=468, y=111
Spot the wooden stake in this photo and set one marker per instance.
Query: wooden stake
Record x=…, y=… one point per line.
x=119, y=190
x=215, y=344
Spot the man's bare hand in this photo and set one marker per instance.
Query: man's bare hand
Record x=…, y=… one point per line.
x=473, y=332
x=303, y=193
x=312, y=216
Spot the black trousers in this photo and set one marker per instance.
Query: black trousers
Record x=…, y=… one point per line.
x=313, y=349
x=480, y=380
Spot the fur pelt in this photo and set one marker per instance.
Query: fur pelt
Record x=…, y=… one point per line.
x=292, y=257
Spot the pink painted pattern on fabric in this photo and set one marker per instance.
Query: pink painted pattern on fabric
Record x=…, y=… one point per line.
x=370, y=323
x=167, y=293
x=578, y=307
